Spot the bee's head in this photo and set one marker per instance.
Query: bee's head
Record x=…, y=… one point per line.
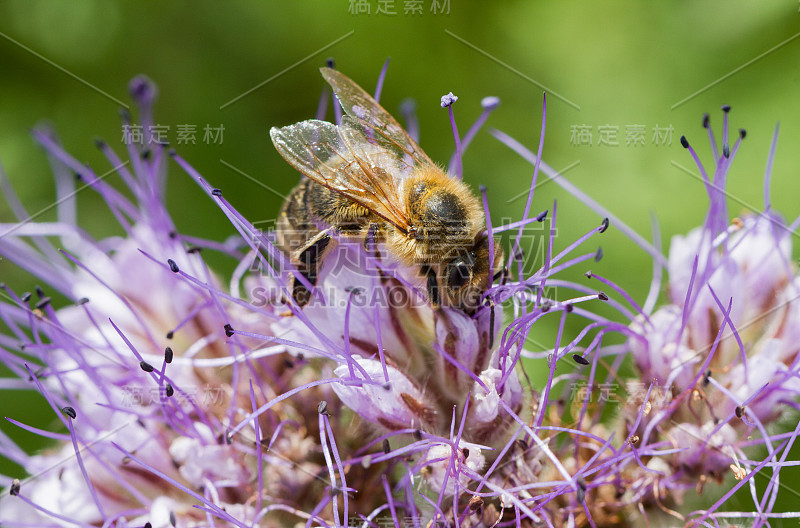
x=465, y=277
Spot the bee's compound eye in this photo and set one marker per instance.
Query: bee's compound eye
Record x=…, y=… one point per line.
x=459, y=274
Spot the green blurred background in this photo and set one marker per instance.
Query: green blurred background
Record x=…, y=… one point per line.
x=610, y=64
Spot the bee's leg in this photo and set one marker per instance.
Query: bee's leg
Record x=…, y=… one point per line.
x=491, y=304
x=501, y=274
x=371, y=240
x=432, y=286
x=306, y=259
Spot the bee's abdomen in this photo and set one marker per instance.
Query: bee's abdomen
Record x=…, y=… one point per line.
x=335, y=209
x=295, y=223
x=311, y=207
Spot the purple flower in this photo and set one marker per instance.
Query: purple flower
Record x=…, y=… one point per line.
x=716, y=368
x=721, y=358
x=184, y=401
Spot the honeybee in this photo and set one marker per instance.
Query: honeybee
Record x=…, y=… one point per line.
x=366, y=175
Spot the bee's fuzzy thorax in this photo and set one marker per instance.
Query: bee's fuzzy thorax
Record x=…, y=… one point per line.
x=444, y=213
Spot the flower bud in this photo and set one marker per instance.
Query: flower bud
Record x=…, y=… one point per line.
x=396, y=404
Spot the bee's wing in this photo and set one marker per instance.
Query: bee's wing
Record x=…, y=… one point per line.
x=362, y=173
x=379, y=126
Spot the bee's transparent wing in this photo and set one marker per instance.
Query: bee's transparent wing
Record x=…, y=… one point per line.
x=372, y=155
x=362, y=174
x=378, y=125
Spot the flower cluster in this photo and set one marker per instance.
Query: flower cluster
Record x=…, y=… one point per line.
x=183, y=399
x=722, y=357
x=715, y=369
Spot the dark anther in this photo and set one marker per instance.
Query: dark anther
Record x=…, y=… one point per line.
x=228, y=330
x=25, y=297
x=172, y=234
x=69, y=411
x=330, y=63
x=172, y=152
x=386, y=447
x=43, y=303
x=288, y=363
x=603, y=225
x=705, y=120
x=322, y=408
x=599, y=255
x=82, y=300
x=602, y=296
x=354, y=290
x=580, y=359
x=168, y=355
x=482, y=188
x=147, y=367
x=172, y=266
x=170, y=334
x=739, y=411
x=14, y=489
x=742, y=133
x=541, y=216
x=588, y=274
x=684, y=142
x=194, y=249
x=39, y=292
x=706, y=378
x=417, y=434
x=465, y=452
x=168, y=390
x=216, y=192
x=99, y=143
x=569, y=308
x=146, y=154
x=546, y=305
x=148, y=525
x=172, y=519
x=726, y=150
x=581, y=493
x=726, y=108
